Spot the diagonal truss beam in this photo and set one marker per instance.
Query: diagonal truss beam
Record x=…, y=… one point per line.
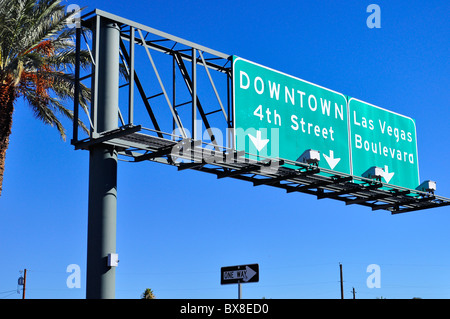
x=189, y=83
x=140, y=88
x=172, y=109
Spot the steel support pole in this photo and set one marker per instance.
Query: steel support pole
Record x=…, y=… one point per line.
x=76, y=95
x=131, y=83
x=239, y=291
x=100, y=279
x=194, y=94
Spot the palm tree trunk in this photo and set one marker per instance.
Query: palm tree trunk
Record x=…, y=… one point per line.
x=6, y=113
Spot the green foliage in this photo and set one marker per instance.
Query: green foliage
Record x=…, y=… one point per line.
x=37, y=56
x=148, y=294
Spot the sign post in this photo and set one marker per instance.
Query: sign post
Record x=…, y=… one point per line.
x=238, y=275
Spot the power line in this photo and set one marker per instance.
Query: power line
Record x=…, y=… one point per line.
x=4, y=297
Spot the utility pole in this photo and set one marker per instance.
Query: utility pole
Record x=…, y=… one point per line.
x=24, y=283
x=353, y=291
x=342, y=281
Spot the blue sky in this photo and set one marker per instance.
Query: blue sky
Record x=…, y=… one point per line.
x=176, y=229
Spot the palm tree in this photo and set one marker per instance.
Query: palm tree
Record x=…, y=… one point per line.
x=148, y=294
x=37, y=56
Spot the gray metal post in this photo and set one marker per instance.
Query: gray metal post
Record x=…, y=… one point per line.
x=194, y=94
x=100, y=279
x=239, y=291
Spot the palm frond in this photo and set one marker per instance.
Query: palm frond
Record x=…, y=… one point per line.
x=44, y=110
x=37, y=57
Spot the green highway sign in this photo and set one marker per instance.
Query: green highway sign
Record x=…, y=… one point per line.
x=280, y=116
x=383, y=139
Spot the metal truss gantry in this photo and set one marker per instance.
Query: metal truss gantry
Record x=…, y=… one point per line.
x=157, y=144
x=175, y=108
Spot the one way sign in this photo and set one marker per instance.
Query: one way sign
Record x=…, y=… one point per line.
x=239, y=274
